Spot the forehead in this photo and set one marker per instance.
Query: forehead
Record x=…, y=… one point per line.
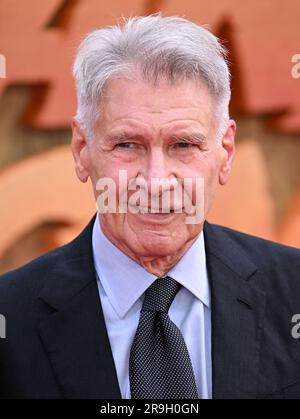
x=134, y=101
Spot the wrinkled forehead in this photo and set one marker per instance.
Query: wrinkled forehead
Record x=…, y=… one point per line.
x=132, y=101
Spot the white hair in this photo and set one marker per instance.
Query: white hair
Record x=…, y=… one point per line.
x=156, y=45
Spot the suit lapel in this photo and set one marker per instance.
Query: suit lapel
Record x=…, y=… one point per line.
x=237, y=316
x=74, y=333
x=75, y=338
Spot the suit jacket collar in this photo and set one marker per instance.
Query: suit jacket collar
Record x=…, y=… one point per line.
x=74, y=335
x=75, y=338
x=238, y=303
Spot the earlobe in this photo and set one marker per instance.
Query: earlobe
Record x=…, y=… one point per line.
x=80, y=152
x=228, y=144
x=224, y=174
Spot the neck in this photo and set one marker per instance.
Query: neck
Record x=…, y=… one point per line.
x=156, y=265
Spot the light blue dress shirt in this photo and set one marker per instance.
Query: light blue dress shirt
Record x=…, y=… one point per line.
x=122, y=283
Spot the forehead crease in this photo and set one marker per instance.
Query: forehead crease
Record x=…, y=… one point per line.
x=128, y=124
x=141, y=125
x=182, y=126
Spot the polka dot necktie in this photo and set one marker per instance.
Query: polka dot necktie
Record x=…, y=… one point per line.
x=160, y=366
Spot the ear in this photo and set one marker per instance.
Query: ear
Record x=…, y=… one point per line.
x=228, y=144
x=79, y=149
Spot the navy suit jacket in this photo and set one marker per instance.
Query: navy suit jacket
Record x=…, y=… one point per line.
x=57, y=346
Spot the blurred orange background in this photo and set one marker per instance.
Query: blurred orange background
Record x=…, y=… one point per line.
x=43, y=205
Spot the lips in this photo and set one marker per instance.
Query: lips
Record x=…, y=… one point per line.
x=155, y=211
x=143, y=210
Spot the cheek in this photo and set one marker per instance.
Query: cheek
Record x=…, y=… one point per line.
x=207, y=171
x=102, y=166
x=120, y=177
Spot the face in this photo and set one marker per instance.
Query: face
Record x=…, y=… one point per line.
x=167, y=131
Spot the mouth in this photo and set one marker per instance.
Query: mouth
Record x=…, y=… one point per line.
x=151, y=211
x=155, y=217
x=157, y=212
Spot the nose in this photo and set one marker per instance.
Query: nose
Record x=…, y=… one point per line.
x=159, y=168
x=157, y=164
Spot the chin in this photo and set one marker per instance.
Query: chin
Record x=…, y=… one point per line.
x=156, y=245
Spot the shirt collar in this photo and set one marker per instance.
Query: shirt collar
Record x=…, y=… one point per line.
x=125, y=281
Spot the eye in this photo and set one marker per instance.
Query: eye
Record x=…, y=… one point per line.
x=126, y=145
x=184, y=145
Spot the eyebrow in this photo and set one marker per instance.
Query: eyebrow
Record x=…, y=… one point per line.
x=122, y=137
x=190, y=137
x=184, y=137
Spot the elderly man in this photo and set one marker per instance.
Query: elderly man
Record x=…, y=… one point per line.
x=146, y=303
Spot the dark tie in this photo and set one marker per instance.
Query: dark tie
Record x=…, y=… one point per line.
x=159, y=364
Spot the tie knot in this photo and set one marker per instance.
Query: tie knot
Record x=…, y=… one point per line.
x=160, y=295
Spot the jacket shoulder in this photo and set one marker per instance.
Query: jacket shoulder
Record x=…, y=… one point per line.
x=26, y=281
x=268, y=255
